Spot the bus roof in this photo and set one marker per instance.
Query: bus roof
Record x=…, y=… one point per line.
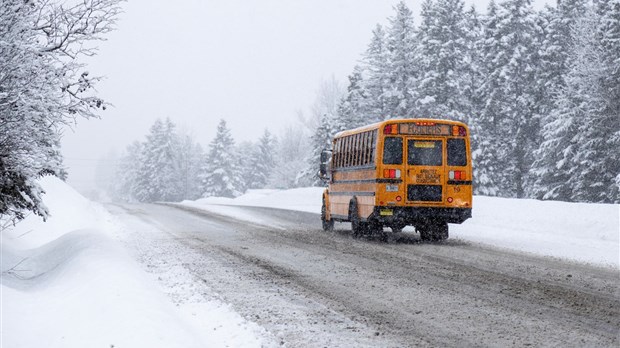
x=380, y=125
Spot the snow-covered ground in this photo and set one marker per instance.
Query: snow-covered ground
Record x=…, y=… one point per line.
x=61, y=284
x=575, y=231
x=69, y=282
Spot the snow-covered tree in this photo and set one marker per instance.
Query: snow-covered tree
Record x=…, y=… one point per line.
x=325, y=109
x=486, y=154
x=402, y=72
x=509, y=118
x=441, y=52
x=354, y=110
x=189, y=165
x=43, y=86
x=596, y=165
x=292, y=150
x=555, y=51
x=367, y=96
x=125, y=187
x=160, y=166
x=259, y=162
x=578, y=159
x=220, y=174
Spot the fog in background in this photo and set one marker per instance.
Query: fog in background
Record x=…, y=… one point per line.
x=256, y=64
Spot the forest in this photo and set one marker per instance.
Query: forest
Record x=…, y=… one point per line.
x=540, y=91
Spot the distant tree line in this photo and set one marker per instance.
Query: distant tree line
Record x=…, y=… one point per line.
x=540, y=91
x=43, y=87
x=168, y=166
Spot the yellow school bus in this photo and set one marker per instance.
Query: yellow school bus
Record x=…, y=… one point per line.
x=397, y=173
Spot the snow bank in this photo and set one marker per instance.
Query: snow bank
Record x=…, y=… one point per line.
x=67, y=282
x=581, y=232
x=301, y=199
x=576, y=231
x=81, y=291
x=69, y=211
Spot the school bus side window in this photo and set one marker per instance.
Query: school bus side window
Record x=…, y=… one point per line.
x=347, y=151
x=393, y=150
x=336, y=154
x=373, y=143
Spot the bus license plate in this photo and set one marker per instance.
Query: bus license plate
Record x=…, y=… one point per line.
x=386, y=212
x=391, y=188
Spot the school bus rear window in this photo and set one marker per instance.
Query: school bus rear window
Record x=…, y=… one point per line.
x=393, y=150
x=457, y=154
x=425, y=152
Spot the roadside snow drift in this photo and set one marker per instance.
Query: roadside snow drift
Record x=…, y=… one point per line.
x=69, y=283
x=575, y=231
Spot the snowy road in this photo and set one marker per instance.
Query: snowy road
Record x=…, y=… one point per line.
x=310, y=288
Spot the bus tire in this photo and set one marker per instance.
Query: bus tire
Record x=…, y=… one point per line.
x=328, y=225
x=433, y=231
x=375, y=228
x=425, y=232
x=440, y=231
x=358, y=227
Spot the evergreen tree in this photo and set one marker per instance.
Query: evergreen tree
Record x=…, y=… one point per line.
x=487, y=156
x=320, y=140
x=220, y=175
x=189, y=158
x=596, y=165
x=442, y=49
x=159, y=167
x=609, y=124
x=558, y=42
x=128, y=172
x=325, y=110
x=558, y=115
x=578, y=159
x=510, y=55
x=368, y=85
x=353, y=110
x=401, y=75
x=292, y=151
x=258, y=161
x=473, y=102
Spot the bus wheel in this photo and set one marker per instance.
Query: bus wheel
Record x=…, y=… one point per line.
x=433, y=231
x=375, y=228
x=358, y=227
x=440, y=231
x=425, y=232
x=328, y=225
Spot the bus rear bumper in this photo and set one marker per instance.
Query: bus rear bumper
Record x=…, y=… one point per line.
x=413, y=215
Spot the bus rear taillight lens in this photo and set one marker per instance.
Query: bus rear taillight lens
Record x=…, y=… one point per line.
x=391, y=173
x=456, y=175
x=390, y=129
x=459, y=131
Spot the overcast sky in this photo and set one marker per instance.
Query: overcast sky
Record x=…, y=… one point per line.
x=254, y=63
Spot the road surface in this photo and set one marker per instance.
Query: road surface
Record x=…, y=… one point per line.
x=310, y=288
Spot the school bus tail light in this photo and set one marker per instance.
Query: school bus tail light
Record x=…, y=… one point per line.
x=456, y=175
x=391, y=173
x=390, y=129
x=459, y=131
